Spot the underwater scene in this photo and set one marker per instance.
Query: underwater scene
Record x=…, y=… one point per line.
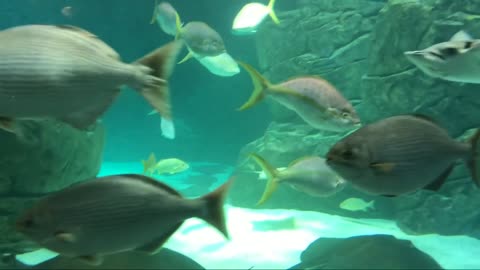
x=240, y=134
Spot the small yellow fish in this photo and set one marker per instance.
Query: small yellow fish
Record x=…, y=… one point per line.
x=356, y=204
x=170, y=166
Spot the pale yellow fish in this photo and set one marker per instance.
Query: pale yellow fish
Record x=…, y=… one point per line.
x=170, y=166
x=149, y=164
x=251, y=16
x=357, y=204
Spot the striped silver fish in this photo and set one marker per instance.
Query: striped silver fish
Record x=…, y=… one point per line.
x=116, y=213
x=69, y=74
x=399, y=155
x=315, y=100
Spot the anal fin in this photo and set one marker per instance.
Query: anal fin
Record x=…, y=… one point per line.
x=156, y=244
x=440, y=180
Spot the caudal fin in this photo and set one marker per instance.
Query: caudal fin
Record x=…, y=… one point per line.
x=260, y=85
x=155, y=89
x=272, y=14
x=178, y=23
x=155, y=12
x=272, y=180
x=473, y=162
x=214, y=214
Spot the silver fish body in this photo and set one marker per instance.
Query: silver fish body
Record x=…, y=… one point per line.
x=202, y=39
x=67, y=73
x=398, y=155
x=165, y=14
x=312, y=176
x=455, y=60
x=115, y=213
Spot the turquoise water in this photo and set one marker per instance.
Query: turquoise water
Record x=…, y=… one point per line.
x=356, y=45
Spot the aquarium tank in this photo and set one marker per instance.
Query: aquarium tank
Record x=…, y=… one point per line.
x=239, y=134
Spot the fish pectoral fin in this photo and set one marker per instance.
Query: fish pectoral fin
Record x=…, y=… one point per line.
x=65, y=237
x=440, y=180
x=186, y=58
x=93, y=260
x=155, y=245
x=383, y=167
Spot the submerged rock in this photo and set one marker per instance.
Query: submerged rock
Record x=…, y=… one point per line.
x=164, y=259
x=51, y=156
x=358, y=46
x=365, y=252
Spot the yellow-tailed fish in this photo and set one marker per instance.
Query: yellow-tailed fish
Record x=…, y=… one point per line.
x=309, y=175
x=170, y=166
x=251, y=15
x=356, y=204
x=149, y=164
x=314, y=99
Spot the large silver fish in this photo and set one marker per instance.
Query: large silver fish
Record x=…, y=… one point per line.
x=309, y=175
x=165, y=15
x=115, y=213
x=315, y=100
x=455, y=60
x=69, y=74
x=399, y=155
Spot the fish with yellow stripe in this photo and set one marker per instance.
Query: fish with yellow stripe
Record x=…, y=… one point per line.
x=310, y=175
x=314, y=99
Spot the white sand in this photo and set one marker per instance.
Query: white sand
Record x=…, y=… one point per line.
x=280, y=249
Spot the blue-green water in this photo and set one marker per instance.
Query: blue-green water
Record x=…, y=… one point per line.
x=357, y=46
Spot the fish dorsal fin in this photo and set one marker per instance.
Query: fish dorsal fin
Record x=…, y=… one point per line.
x=76, y=29
x=156, y=244
x=461, y=36
x=425, y=117
x=298, y=160
x=152, y=182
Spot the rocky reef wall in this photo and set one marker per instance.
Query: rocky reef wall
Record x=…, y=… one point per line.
x=358, y=46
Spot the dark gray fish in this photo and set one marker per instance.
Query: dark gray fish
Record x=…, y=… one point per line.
x=117, y=213
x=400, y=154
x=309, y=175
x=69, y=74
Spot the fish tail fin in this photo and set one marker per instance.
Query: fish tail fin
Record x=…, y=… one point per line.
x=186, y=58
x=178, y=23
x=160, y=63
x=155, y=11
x=214, y=202
x=272, y=177
x=271, y=12
x=473, y=161
x=260, y=84
x=371, y=205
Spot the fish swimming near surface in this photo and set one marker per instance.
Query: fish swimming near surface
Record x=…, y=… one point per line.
x=68, y=74
x=357, y=204
x=200, y=39
x=315, y=100
x=454, y=60
x=116, y=213
x=251, y=15
x=165, y=15
x=308, y=174
x=401, y=154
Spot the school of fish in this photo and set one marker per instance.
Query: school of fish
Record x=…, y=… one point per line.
x=68, y=74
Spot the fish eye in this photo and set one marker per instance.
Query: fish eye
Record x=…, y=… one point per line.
x=468, y=45
x=347, y=154
x=450, y=51
x=345, y=114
